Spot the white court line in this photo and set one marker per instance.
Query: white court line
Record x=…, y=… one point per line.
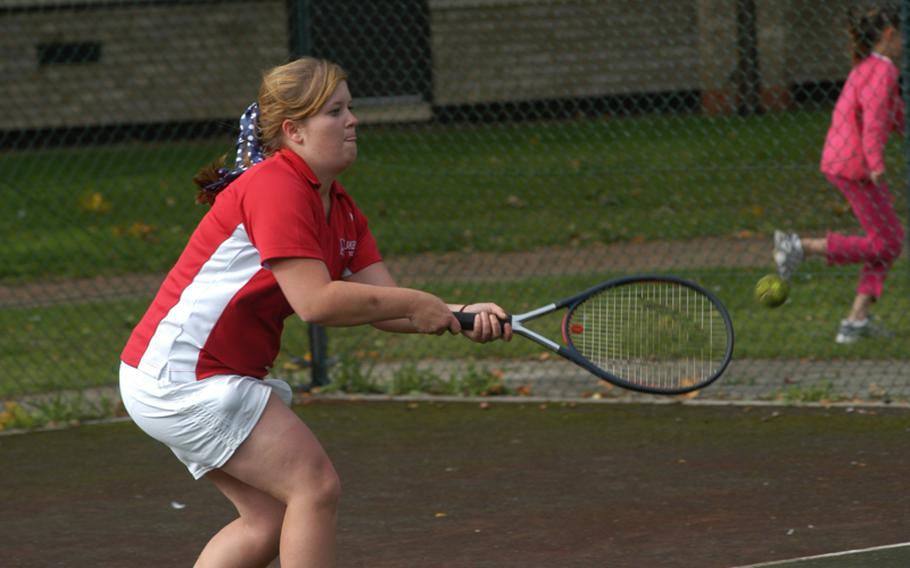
x=829, y=555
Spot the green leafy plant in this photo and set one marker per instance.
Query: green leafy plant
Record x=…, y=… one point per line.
x=818, y=392
x=409, y=379
x=57, y=410
x=353, y=376
x=478, y=382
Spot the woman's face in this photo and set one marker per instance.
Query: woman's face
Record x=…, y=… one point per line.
x=329, y=137
x=890, y=43
x=897, y=43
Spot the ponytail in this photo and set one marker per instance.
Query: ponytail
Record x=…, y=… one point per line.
x=213, y=178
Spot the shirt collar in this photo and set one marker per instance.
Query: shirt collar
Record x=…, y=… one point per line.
x=882, y=57
x=301, y=167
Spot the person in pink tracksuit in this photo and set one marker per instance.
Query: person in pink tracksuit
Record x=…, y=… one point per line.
x=868, y=110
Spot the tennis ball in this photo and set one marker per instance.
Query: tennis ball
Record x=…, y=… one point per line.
x=771, y=291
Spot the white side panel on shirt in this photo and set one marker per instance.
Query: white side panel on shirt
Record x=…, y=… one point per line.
x=185, y=329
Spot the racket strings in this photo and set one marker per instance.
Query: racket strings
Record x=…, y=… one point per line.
x=656, y=334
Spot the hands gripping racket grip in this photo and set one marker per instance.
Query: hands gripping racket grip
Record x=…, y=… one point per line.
x=466, y=319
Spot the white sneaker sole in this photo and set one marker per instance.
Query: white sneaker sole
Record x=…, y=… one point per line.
x=845, y=339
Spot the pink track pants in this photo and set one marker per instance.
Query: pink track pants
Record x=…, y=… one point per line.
x=877, y=250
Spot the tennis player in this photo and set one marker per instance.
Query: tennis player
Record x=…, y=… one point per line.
x=282, y=237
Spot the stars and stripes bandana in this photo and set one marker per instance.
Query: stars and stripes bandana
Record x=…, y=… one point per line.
x=248, y=150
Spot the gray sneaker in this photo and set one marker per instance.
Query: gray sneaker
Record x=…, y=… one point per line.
x=788, y=253
x=852, y=331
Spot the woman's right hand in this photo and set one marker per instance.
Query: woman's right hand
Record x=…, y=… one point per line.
x=432, y=315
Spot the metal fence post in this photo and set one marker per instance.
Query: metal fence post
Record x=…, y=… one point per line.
x=905, y=77
x=319, y=347
x=298, y=27
x=748, y=76
x=299, y=44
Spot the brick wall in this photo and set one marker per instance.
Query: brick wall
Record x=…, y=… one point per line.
x=202, y=61
x=171, y=62
x=817, y=41
x=504, y=50
x=501, y=50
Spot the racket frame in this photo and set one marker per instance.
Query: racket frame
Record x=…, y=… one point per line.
x=569, y=352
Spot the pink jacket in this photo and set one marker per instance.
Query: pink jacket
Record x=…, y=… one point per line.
x=868, y=109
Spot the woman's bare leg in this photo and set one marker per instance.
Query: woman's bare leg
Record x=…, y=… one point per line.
x=283, y=459
x=251, y=539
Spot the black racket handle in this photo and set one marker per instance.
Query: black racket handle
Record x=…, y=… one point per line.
x=466, y=319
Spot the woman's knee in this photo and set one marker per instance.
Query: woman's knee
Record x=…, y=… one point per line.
x=888, y=248
x=326, y=488
x=317, y=483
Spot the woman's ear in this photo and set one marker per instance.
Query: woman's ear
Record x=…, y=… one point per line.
x=292, y=131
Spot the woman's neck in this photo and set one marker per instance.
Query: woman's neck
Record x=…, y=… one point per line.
x=325, y=190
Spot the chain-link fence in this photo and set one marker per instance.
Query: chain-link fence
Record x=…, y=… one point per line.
x=510, y=150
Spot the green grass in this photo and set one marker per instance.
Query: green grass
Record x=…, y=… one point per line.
x=109, y=210
x=82, y=212
x=141, y=223
x=64, y=346
x=73, y=345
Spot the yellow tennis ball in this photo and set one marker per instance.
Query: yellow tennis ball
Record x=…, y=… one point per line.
x=771, y=291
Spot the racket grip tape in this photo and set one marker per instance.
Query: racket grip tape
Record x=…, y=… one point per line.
x=466, y=319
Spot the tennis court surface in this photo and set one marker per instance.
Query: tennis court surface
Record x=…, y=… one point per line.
x=890, y=556
x=470, y=485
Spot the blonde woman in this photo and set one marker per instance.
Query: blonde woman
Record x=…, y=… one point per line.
x=282, y=237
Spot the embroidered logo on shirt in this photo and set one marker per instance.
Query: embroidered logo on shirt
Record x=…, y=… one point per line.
x=348, y=247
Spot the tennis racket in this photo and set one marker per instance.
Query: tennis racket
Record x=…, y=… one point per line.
x=652, y=334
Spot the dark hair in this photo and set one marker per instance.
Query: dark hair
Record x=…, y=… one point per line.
x=296, y=91
x=866, y=29
x=206, y=180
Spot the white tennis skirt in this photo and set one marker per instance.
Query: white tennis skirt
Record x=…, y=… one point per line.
x=202, y=422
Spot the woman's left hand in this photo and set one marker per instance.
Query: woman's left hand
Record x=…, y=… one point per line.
x=877, y=177
x=488, y=323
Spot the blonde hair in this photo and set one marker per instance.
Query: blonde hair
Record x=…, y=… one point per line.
x=293, y=91
x=866, y=29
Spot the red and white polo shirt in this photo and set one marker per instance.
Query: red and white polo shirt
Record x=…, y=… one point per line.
x=220, y=310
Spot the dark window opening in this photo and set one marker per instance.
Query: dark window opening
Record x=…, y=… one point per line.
x=383, y=45
x=59, y=53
